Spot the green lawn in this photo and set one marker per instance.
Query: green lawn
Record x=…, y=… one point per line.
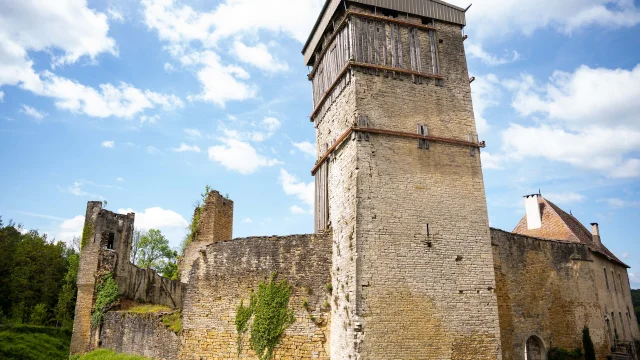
x=105, y=354
x=25, y=342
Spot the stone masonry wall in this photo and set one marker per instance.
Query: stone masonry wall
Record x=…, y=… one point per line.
x=140, y=334
x=615, y=298
x=215, y=224
x=547, y=289
x=417, y=296
x=336, y=120
x=225, y=275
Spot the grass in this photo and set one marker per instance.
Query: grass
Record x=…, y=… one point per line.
x=23, y=342
x=106, y=354
x=149, y=308
x=173, y=322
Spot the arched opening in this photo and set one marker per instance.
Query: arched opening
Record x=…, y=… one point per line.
x=534, y=349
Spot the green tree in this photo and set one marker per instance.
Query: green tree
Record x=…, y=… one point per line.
x=155, y=253
x=39, y=315
x=587, y=344
x=65, y=308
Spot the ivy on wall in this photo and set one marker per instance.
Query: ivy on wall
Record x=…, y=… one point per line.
x=269, y=309
x=107, y=295
x=87, y=233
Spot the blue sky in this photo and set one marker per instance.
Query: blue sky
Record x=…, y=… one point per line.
x=144, y=103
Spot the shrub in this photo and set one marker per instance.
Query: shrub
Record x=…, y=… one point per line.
x=563, y=354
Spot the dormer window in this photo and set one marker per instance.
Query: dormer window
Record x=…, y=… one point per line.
x=112, y=239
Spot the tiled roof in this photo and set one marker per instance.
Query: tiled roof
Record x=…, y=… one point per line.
x=559, y=225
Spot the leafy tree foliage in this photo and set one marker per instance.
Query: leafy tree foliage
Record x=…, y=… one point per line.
x=587, y=344
x=635, y=295
x=153, y=252
x=33, y=273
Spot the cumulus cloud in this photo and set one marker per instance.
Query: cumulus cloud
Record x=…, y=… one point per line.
x=477, y=51
x=619, y=203
x=565, y=197
x=110, y=144
x=32, y=112
x=189, y=32
x=495, y=19
x=169, y=222
x=69, y=31
x=70, y=228
x=78, y=189
x=186, y=148
x=256, y=131
x=486, y=92
x=306, y=148
x=1, y=96
x=193, y=133
x=239, y=156
x=491, y=161
x=259, y=56
x=297, y=210
x=294, y=187
x=149, y=119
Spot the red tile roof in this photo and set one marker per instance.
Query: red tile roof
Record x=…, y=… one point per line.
x=558, y=225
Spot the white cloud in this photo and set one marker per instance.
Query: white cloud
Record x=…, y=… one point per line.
x=586, y=97
x=297, y=210
x=221, y=83
x=493, y=19
x=124, y=100
x=177, y=23
x=247, y=221
x=67, y=30
x=193, y=133
x=29, y=111
x=120, y=180
x=634, y=279
x=565, y=198
x=65, y=25
x=491, y=161
x=115, y=14
x=619, y=203
x=156, y=218
x=70, y=228
x=306, y=147
x=261, y=130
x=588, y=119
x=186, y=148
x=190, y=33
x=239, y=156
x=170, y=223
x=149, y=119
x=108, y=144
x=590, y=149
x=258, y=56
x=77, y=189
x=486, y=92
x=153, y=150
x=291, y=185
x=477, y=51
x=1, y=96
x=168, y=67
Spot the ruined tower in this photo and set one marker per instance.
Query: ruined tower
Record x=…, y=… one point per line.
x=399, y=183
x=106, y=246
x=215, y=223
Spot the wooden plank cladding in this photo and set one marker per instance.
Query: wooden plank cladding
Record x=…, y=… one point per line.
x=408, y=135
x=380, y=44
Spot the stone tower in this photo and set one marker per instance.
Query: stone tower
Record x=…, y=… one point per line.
x=215, y=224
x=106, y=247
x=399, y=183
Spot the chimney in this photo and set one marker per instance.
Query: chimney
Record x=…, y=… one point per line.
x=595, y=231
x=532, y=205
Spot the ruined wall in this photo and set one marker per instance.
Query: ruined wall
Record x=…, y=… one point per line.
x=215, y=224
x=140, y=334
x=227, y=272
x=547, y=289
x=418, y=296
x=107, y=250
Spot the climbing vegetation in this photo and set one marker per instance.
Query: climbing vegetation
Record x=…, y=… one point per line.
x=108, y=295
x=195, y=220
x=87, y=233
x=173, y=322
x=269, y=309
